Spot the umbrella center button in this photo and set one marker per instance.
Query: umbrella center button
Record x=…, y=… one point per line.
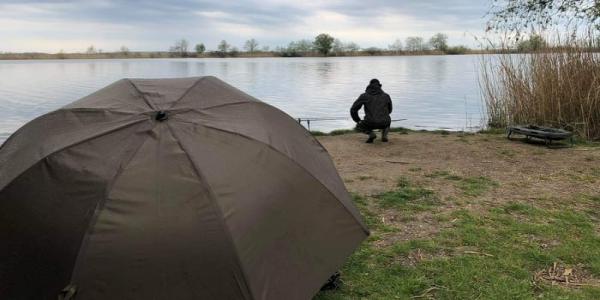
x=161, y=116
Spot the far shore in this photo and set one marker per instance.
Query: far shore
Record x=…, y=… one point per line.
x=164, y=54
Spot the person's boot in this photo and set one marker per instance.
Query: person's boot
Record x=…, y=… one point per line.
x=372, y=137
x=384, y=135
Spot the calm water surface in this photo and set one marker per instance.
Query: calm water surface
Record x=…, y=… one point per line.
x=432, y=92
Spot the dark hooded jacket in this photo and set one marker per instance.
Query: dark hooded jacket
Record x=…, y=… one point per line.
x=378, y=106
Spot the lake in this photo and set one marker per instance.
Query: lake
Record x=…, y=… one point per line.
x=432, y=92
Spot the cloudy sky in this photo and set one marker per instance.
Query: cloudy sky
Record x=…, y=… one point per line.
x=146, y=25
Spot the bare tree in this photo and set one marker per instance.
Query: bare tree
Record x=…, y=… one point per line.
x=520, y=15
x=303, y=46
x=415, y=43
x=251, y=45
x=338, y=47
x=180, y=48
x=352, y=47
x=396, y=47
x=124, y=50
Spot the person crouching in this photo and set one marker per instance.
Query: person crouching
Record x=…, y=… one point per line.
x=378, y=107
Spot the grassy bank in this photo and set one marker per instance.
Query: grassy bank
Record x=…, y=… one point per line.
x=400, y=130
x=471, y=216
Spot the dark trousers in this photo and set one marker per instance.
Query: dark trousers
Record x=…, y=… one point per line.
x=367, y=128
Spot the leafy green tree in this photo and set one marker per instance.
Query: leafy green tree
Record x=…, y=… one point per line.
x=323, y=43
x=457, y=50
x=373, y=51
x=223, y=48
x=439, y=42
x=200, y=48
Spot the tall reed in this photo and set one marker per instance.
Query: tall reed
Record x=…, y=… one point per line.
x=557, y=87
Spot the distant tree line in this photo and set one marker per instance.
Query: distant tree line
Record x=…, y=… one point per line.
x=322, y=45
x=327, y=45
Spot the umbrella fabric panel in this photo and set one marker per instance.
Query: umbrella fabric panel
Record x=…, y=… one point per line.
x=162, y=93
x=290, y=232
x=266, y=124
x=159, y=234
x=121, y=96
x=45, y=212
x=209, y=92
x=55, y=131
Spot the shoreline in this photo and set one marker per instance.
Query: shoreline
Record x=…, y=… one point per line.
x=168, y=55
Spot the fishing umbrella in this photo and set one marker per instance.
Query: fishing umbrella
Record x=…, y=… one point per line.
x=170, y=189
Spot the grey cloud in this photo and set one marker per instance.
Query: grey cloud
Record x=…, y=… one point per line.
x=173, y=18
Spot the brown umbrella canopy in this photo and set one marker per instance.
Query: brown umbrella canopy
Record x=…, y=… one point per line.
x=170, y=189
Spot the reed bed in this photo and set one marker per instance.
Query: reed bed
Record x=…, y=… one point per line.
x=558, y=87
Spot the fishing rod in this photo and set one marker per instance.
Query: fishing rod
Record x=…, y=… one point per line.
x=309, y=120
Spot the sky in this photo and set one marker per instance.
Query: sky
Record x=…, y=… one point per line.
x=145, y=25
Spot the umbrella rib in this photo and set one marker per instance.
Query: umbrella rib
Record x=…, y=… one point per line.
x=222, y=105
x=216, y=210
x=266, y=105
x=356, y=217
x=150, y=104
x=186, y=92
x=85, y=109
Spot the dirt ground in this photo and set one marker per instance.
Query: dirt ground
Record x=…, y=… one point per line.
x=520, y=172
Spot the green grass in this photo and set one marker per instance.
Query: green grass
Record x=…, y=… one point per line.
x=341, y=132
x=482, y=255
x=492, y=130
x=408, y=197
x=400, y=130
x=508, y=152
x=475, y=186
x=317, y=133
x=470, y=186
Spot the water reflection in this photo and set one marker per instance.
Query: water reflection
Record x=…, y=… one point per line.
x=430, y=91
x=125, y=67
x=180, y=68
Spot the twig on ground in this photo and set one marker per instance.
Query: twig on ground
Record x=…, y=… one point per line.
x=429, y=290
x=397, y=162
x=478, y=253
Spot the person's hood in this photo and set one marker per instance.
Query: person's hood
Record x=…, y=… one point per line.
x=374, y=89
